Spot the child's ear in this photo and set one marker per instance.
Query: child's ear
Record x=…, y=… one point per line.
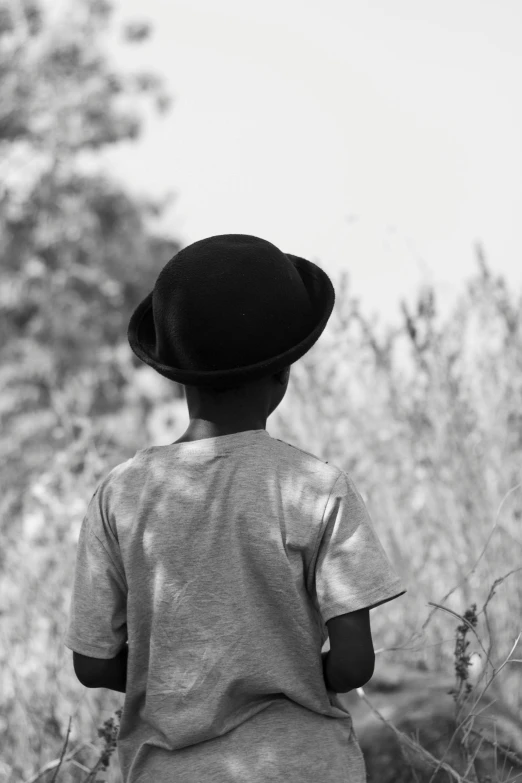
x=283, y=375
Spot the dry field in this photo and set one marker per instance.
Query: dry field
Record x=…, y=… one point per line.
x=434, y=444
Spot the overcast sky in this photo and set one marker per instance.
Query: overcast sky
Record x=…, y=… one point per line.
x=379, y=137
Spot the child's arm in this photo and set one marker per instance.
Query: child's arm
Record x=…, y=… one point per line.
x=350, y=662
x=108, y=673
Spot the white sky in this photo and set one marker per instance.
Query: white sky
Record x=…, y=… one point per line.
x=382, y=138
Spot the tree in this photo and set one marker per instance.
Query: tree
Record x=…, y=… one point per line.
x=76, y=249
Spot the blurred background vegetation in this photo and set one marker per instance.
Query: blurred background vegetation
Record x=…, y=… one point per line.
x=433, y=443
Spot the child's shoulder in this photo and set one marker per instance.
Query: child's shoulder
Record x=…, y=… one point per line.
x=332, y=469
x=121, y=469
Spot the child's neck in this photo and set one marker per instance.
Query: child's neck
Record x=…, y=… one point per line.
x=201, y=429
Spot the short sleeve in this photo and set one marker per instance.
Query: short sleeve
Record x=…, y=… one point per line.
x=352, y=569
x=97, y=624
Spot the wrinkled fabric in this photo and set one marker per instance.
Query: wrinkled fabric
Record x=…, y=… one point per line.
x=219, y=561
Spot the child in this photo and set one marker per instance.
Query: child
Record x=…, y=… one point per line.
x=221, y=557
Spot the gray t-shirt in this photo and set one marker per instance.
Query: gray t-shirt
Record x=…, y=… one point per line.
x=220, y=561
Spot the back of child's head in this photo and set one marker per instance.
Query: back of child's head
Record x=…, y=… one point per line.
x=244, y=388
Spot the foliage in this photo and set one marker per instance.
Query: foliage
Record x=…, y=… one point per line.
x=77, y=253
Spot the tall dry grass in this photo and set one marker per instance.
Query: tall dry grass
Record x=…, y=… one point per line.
x=433, y=442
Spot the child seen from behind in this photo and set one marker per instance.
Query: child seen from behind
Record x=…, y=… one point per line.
x=210, y=572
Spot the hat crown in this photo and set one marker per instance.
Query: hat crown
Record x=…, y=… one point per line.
x=228, y=301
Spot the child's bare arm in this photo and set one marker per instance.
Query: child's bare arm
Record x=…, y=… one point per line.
x=350, y=661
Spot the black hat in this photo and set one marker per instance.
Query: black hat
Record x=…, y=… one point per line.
x=230, y=309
